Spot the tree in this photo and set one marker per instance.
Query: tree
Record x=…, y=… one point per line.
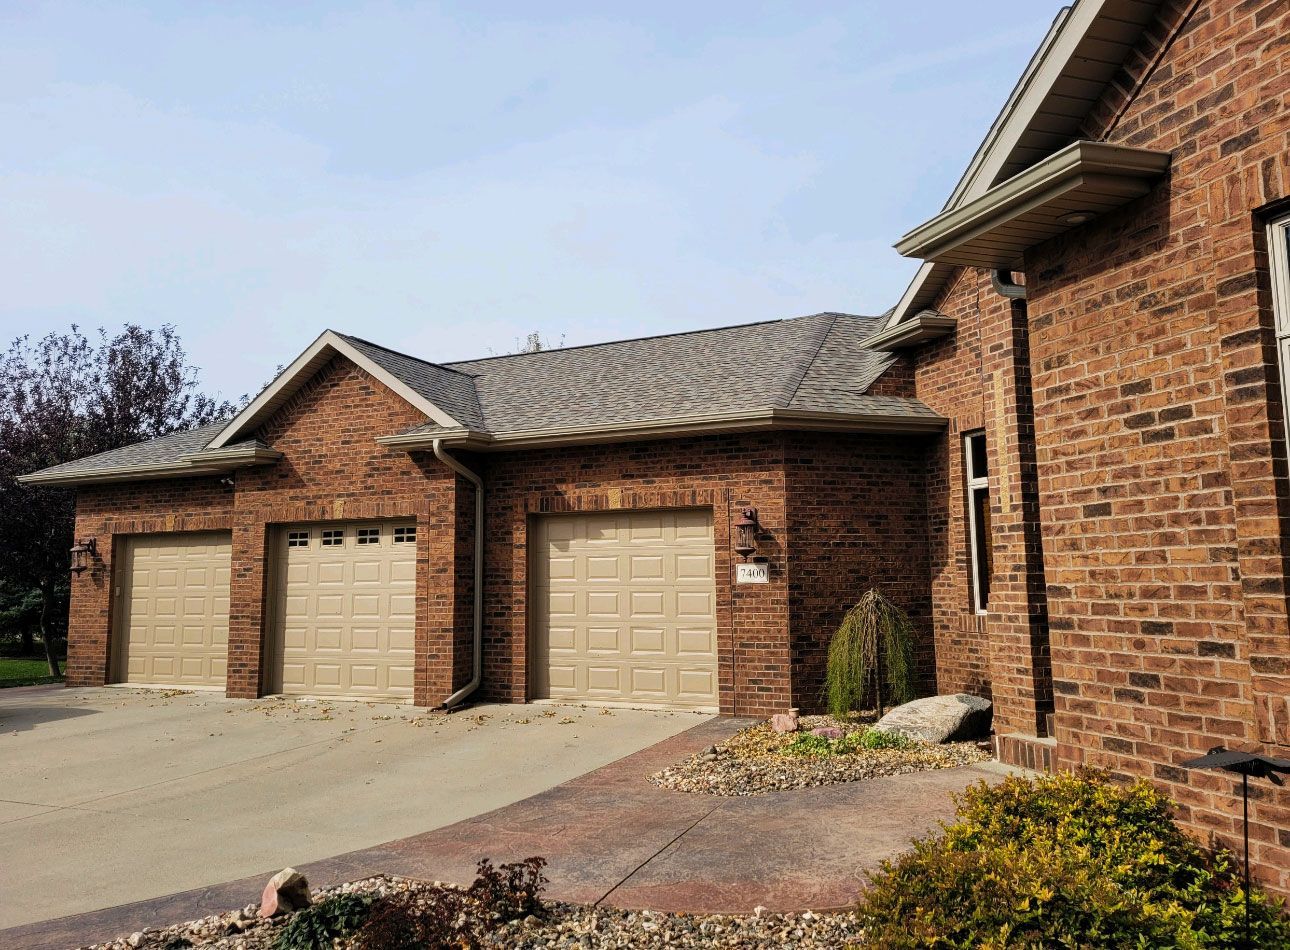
x=874, y=638
x=533, y=343
x=66, y=396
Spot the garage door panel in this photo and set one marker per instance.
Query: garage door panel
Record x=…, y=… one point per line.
x=347, y=610
x=648, y=640
x=696, y=641
x=699, y=684
x=174, y=619
x=694, y=604
x=651, y=573
x=604, y=639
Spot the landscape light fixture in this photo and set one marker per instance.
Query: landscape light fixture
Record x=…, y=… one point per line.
x=81, y=553
x=746, y=527
x=1244, y=764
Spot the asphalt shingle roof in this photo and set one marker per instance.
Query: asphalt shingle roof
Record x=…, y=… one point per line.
x=813, y=363
x=159, y=451
x=451, y=390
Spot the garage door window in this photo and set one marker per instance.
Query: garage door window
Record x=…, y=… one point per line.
x=369, y=535
x=298, y=539
x=405, y=535
x=333, y=537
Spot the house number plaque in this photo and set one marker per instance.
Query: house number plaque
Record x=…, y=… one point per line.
x=754, y=572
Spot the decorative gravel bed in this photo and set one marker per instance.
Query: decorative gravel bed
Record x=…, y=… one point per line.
x=756, y=760
x=562, y=925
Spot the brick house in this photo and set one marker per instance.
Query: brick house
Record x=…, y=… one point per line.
x=323, y=541
x=1063, y=451
x=1130, y=399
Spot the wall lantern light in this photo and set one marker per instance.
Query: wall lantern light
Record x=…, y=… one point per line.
x=81, y=552
x=746, y=528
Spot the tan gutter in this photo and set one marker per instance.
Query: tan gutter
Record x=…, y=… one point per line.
x=197, y=463
x=928, y=325
x=704, y=424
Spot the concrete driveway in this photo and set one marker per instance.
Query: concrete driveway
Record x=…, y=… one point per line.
x=115, y=795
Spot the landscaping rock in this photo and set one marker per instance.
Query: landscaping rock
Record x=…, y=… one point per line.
x=827, y=732
x=953, y=718
x=757, y=760
x=287, y=891
x=784, y=722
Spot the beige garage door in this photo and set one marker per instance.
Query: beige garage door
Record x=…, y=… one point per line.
x=624, y=608
x=174, y=610
x=345, y=609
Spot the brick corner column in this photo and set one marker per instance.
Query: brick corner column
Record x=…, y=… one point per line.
x=439, y=568
x=89, y=622
x=247, y=591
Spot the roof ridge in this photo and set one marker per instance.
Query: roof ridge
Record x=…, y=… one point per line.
x=445, y=366
x=661, y=336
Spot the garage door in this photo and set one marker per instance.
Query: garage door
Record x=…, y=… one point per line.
x=174, y=613
x=345, y=610
x=625, y=608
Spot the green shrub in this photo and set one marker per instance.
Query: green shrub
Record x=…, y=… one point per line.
x=1064, y=861
x=871, y=656
x=807, y=743
x=877, y=739
x=315, y=927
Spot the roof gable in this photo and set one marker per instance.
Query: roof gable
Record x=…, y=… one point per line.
x=425, y=386
x=1064, y=81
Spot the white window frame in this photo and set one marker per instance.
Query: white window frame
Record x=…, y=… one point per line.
x=1279, y=264
x=975, y=482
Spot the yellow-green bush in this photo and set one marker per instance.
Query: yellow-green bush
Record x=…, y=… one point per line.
x=1068, y=860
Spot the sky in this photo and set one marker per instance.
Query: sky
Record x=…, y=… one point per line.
x=445, y=178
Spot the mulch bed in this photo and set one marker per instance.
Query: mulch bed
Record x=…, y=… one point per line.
x=756, y=761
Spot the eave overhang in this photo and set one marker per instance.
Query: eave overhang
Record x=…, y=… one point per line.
x=709, y=424
x=1069, y=188
x=194, y=464
x=928, y=325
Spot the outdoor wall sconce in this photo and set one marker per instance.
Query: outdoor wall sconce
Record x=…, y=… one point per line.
x=81, y=553
x=746, y=528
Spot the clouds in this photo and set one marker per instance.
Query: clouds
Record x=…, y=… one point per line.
x=446, y=179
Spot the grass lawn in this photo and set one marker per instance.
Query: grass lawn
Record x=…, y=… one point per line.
x=25, y=672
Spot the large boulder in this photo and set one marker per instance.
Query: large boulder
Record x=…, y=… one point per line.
x=953, y=718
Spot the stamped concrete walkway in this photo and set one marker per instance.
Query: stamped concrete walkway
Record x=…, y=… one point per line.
x=610, y=836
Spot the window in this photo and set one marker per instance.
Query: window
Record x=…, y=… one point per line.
x=333, y=537
x=1279, y=261
x=405, y=535
x=369, y=535
x=297, y=539
x=978, y=489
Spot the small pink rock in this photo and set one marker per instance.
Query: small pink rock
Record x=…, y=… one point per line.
x=784, y=722
x=286, y=891
x=828, y=732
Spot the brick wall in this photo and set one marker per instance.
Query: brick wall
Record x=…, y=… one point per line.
x=979, y=378
x=857, y=518
x=720, y=473
x=1159, y=444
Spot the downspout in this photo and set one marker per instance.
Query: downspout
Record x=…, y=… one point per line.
x=477, y=667
x=1003, y=284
